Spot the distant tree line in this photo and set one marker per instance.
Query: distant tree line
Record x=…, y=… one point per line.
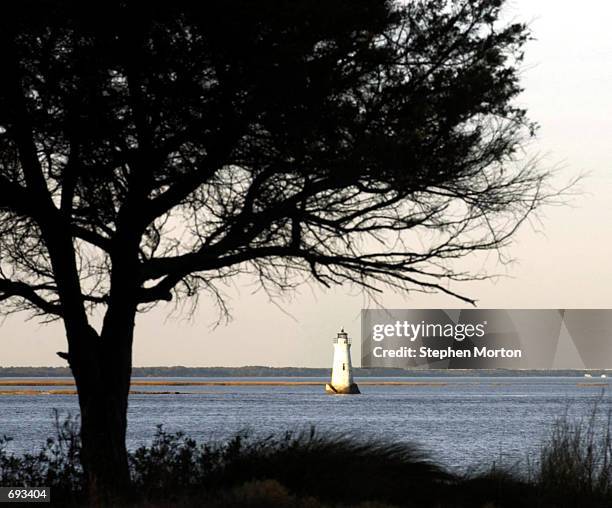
x=262, y=371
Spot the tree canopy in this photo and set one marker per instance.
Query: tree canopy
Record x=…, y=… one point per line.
x=150, y=150
x=291, y=139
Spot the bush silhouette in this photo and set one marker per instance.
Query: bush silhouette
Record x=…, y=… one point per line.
x=308, y=469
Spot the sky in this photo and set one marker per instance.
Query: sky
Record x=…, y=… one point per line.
x=564, y=260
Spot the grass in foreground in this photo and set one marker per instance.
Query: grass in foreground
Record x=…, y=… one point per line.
x=574, y=469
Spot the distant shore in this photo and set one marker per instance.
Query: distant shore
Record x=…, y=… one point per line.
x=272, y=372
x=66, y=386
x=64, y=383
x=138, y=382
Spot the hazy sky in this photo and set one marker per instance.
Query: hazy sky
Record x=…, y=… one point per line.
x=565, y=263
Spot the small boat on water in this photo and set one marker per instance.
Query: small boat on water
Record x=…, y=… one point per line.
x=588, y=375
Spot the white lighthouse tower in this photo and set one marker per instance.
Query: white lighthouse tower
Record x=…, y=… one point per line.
x=342, y=369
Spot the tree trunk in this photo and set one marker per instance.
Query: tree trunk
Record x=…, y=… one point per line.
x=102, y=370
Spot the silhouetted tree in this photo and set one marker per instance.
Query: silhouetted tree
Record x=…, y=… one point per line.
x=150, y=149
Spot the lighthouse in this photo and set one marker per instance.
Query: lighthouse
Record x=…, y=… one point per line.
x=342, y=369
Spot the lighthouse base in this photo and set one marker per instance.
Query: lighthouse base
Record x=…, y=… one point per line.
x=351, y=389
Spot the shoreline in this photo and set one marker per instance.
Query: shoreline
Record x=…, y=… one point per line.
x=248, y=372
x=20, y=387
x=225, y=383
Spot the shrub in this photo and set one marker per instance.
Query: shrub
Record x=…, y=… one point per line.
x=333, y=468
x=576, y=460
x=57, y=463
x=310, y=470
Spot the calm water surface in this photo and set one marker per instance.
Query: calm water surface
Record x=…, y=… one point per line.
x=465, y=422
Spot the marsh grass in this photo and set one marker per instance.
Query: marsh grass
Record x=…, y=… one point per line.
x=576, y=460
x=307, y=464
x=140, y=382
x=308, y=469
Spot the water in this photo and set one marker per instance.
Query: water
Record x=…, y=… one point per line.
x=463, y=422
